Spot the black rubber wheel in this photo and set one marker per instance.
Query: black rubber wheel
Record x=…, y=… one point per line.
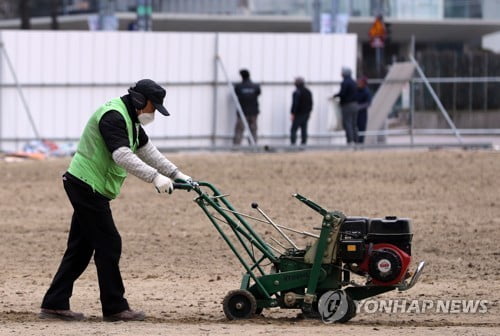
x=351, y=310
x=239, y=304
x=354, y=310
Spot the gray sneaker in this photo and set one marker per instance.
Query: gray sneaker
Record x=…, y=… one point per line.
x=65, y=315
x=126, y=315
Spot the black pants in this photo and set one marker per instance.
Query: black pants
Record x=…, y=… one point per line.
x=239, y=128
x=92, y=231
x=299, y=121
x=361, y=123
x=349, y=121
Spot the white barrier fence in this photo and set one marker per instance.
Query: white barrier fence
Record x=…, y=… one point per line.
x=65, y=76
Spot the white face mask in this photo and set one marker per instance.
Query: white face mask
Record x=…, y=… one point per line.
x=146, y=118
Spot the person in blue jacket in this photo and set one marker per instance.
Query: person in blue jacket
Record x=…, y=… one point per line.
x=348, y=105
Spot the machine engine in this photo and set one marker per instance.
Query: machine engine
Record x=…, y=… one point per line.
x=379, y=248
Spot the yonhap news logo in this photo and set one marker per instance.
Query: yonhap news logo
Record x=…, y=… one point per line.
x=439, y=306
x=335, y=306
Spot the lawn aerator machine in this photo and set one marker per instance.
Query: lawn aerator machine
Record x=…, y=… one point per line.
x=317, y=278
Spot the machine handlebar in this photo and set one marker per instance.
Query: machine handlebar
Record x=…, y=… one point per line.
x=197, y=186
x=183, y=186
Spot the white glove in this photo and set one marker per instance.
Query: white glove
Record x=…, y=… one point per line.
x=181, y=176
x=163, y=184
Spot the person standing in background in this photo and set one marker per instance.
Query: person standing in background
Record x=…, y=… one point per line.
x=364, y=99
x=247, y=93
x=348, y=105
x=302, y=104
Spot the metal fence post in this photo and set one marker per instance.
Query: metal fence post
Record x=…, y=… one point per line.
x=412, y=111
x=436, y=99
x=1, y=95
x=20, y=90
x=412, y=94
x=215, y=91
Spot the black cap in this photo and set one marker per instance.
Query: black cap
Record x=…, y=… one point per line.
x=153, y=92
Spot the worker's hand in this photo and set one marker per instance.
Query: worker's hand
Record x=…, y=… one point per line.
x=163, y=184
x=183, y=177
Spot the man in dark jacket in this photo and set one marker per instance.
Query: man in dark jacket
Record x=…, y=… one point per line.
x=302, y=104
x=247, y=93
x=348, y=105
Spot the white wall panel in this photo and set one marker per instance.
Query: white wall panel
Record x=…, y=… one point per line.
x=316, y=60
x=12, y=117
x=134, y=47
x=67, y=75
x=226, y=112
x=74, y=110
x=32, y=70
x=74, y=51
x=324, y=61
x=86, y=58
x=161, y=57
x=275, y=110
x=268, y=63
x=228, y=44
x=203, y=57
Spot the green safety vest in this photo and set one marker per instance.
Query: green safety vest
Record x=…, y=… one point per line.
x=92, y=162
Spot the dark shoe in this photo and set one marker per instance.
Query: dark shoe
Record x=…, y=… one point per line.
x=126, y=315
x=65, y=315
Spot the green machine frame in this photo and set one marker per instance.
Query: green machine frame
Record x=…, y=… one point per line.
x=303, y=274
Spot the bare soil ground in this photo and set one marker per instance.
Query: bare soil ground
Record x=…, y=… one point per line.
x=177, y=269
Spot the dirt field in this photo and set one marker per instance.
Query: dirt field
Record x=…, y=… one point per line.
x=177, y=269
